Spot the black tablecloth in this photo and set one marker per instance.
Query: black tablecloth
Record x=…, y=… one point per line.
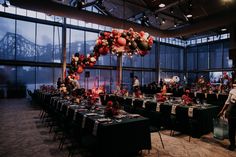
x=129, y=135
x=202, y=120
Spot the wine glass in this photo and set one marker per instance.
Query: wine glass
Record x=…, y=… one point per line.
x=197, y=101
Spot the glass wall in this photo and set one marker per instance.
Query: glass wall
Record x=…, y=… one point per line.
x=25, y=40
x=171, y=57
x=31, y=41
x=37, y=47
x=75, y=43
x=208, y=57
x=7, y=38
x=44, y=41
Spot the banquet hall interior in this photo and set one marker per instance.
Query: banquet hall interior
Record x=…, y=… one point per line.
x=122, y=78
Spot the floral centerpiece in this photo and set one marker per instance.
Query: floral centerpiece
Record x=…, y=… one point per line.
x=160, y=97
x=186, y=99
x=120, y=91
x=201, y=84
x=111, y=109
x=63, y=90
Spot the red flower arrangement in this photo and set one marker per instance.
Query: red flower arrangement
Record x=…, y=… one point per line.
x=111, y=109
x=78, y=62
x=186, y=99
x=160, y=97
x=116, y=42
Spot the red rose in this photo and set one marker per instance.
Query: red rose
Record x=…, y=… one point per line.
x=109, y=104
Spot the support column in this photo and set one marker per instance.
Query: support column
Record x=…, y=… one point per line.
x=64, y=49
x=157, y=47
x=119, y=69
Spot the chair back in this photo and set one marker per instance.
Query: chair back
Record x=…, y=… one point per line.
x=150, y=106
x=211, y=98
x=201, y=97
x=137, y=103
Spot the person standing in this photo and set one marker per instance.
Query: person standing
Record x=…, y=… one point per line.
x=136, y=84
x=230, y=113
x=161, y=83
x=59, y=82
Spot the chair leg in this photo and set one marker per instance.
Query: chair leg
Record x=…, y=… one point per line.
x=161, y=140
x=189, y=138
x=62, y=141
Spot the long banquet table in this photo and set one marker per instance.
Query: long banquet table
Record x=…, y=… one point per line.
x=200, y=118
x=123, y=134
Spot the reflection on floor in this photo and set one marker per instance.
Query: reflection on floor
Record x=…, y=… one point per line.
x=23, y=135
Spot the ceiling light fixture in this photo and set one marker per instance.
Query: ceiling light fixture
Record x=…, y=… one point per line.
x=171, y=11
x=156, y=16
x=80, y=4
x=190, y=4
x=162, y=5
x=163, y=21
x=189, y=15
x=175, y=24
x=223, y=29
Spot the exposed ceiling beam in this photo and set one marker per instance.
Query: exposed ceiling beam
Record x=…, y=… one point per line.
x=172, y=16
x=52, y=8
x=169, y=6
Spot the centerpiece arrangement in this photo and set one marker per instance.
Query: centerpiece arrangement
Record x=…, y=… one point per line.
x=186, y=98
x=111, y=109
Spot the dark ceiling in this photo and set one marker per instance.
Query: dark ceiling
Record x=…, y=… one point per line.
x=213, y=14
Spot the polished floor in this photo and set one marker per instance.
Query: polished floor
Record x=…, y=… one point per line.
x=23, y=135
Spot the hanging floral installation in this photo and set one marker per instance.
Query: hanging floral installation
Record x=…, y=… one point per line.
x=124, y=41
x=117, y=42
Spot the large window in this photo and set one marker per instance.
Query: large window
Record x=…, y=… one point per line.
x=149, y=61
x=57, y=31
x=76, y=43
x=209, y=56
x=7, y=75
x=32, y=42
x=216, y=54
x=44, y=75
x=192, y=58
x=7, y=39
x=171, y=57
x=227, y=63
x=203, y=57
x=26, y=76
x=25, y=41
x=44, y=43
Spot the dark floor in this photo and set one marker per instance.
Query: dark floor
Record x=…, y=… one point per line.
x=23, y=135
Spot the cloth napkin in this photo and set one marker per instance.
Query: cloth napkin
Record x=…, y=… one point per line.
x=173, y=109
x=144, y=102
x=83, y=122
x=190, y=111
x=95, y=128
x=158, y=107
x=74, y=116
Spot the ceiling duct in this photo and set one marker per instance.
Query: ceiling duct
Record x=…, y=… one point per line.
x=52, y=8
